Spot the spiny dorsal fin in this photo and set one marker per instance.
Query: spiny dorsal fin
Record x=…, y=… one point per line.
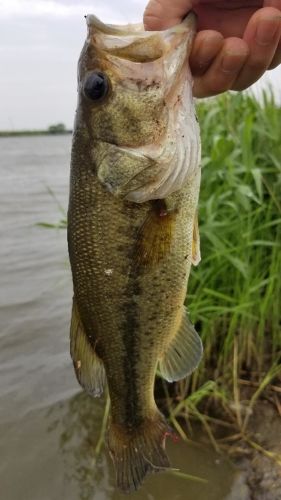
x=196, y=255
x=88, y=366
x=183, y=354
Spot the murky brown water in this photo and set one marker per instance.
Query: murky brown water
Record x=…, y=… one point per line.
x=48, y=428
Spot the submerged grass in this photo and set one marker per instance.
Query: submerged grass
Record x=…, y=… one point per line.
x=234, y=296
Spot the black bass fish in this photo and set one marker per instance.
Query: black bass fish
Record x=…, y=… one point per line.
x=132, y=230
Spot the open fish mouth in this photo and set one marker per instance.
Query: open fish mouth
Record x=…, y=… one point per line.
x=145, y=60
x=134, y=43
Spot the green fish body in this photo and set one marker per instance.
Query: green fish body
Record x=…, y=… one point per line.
x=132, y=230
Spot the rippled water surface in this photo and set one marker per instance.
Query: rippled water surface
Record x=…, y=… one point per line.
x=48, y=428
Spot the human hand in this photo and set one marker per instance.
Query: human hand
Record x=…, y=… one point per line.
x=237, y=41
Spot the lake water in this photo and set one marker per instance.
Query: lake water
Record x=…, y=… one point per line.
x=48, y=427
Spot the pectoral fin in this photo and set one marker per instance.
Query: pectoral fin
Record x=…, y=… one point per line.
x=183, y=354
x=88, y=366
x=154, y=238
x=196, y=255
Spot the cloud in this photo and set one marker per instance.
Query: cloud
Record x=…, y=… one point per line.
x=33, y=8
x=40, y=46
x=108, y=11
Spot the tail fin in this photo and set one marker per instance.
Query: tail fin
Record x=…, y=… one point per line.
x=139, y=452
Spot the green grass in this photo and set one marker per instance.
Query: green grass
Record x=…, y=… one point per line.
x=236, y=290
x=234, y=296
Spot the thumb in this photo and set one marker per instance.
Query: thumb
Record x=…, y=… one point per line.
x=162, y=14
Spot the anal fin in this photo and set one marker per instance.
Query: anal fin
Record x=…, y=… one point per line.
x=88, y=366
x=183, y=354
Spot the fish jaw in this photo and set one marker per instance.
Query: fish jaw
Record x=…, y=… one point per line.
x=149, y=117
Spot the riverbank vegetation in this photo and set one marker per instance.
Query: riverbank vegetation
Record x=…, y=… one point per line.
x=56, y=129
x=234, y=295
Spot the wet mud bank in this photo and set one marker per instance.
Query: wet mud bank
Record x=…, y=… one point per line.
x=256, y=456
x=260, y=459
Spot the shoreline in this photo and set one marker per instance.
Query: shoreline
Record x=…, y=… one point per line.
x=29, y=133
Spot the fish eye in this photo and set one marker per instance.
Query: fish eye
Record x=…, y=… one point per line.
x=96, y=86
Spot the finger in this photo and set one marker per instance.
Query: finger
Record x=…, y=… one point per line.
x=162, y=14
x=206, y=46
x=272, y=3
x=277, y=58
x=262, y=36
x=224, y=70
x=230, y=21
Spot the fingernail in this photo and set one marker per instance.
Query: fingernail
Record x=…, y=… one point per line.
x=267, y=29
x=232, y=62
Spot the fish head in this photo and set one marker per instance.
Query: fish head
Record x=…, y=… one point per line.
x=135, y=98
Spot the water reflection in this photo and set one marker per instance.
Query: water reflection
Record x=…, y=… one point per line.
x=78, y=423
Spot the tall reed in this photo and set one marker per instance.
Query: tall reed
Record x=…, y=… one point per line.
x=234, y=296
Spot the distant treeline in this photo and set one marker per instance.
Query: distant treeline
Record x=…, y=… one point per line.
x=56, y=129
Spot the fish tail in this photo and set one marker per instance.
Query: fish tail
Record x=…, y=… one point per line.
x=139, y=452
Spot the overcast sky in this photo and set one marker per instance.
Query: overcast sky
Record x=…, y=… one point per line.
x=40, y=41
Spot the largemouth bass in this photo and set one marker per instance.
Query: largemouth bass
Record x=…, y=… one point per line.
x=132, y=230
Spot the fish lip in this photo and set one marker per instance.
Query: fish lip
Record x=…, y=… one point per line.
x=93, y=22
x=112, y=29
